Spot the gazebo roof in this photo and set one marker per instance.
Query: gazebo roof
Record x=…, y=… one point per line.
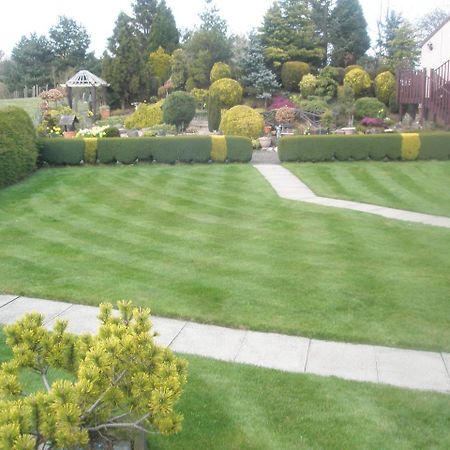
x=84, y=78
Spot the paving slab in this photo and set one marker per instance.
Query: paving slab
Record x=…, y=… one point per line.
x=4, y=299
x=13, y=311
x=349, y=361
x=82, y=319
x=274, y=351
x=209, y=341
x=412, y=369
x=167, y=329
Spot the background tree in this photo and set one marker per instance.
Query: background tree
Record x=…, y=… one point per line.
x=69, y=42
x=289, y=30
x=348, y=33
x=207, y=45
x=160, y=64
x=30, y=63
x=122, y=63
x=179, y=69
x=164, y=32
x=430, y=21
x=386, y=32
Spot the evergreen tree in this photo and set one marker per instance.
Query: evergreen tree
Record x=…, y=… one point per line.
x=164, y=32
x=289, y=33
x=256, y=77
x=207, y=45
x=69, y=42
x=178, y=70
x=30, y=63
x=348, y=33
x=386, y=32
x=122, y=63
x=144, y=12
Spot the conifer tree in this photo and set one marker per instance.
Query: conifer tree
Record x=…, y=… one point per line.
x=164, y=32
x=348, y=33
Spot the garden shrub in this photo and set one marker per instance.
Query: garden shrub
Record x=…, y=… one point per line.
x=227, y=91
x=239, y=149
x=351, y=67
x=314, y=105
x=190, y=84
x=292, y=73
x=118, y=373
x=369, y=107
x=410, y=146
x=306, y=148
x=90, y=150
x=308, y=85
x=18, y=148
x=163, y=129
x=220, y=70
x=435, y=146
x=59, y=151
x=201, y=97
x=278, y=101
x=384, y=86
x=179, y=110
x=112, y=132
x=335, y=73
x=242, y=121
x=358, y=80
x=326, y=87
x=214, y=113
x=146, y=115
x=285, y=115
x=218, y=148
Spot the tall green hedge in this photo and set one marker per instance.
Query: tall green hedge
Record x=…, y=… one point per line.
x=18, y=150
x=435, y=146
x=169, y=150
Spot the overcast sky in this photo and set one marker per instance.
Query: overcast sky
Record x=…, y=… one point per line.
x=22, y=17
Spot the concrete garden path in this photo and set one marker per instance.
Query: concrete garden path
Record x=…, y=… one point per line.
x=403, y=368
x=290, y=187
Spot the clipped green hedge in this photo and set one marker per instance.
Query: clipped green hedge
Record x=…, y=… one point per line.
x=435, y=146
x=18, y=150
x=170, y=149
x=61, y=151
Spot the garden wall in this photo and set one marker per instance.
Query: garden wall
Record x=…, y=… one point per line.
x=169, y=150
x=18, y=150
x=395, y=147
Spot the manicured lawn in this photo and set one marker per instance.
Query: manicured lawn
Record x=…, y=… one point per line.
x=422, y=186
x=215, y=244
x=30, y=105
x=229, y=406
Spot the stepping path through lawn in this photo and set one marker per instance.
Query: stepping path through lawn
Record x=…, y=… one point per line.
x=403, y=368
x=290, y=187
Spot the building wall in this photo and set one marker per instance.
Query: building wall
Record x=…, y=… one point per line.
x=434, y=57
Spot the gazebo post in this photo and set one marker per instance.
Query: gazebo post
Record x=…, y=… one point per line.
x=94, y=100
x=69, y=97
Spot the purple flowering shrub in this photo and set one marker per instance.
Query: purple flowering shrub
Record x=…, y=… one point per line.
x=279, y=102
x=372, y=122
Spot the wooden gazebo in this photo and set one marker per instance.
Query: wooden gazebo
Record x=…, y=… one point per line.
x=87, y=80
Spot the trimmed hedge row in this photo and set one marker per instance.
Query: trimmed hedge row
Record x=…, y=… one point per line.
x=170, y=149
x=395, y=147
x=18, y=150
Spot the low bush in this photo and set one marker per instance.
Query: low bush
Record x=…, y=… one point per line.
x=90, y=150
x=146, y=115
x=59, y=151
x=239, y=149
x=292, y=73
x=218, y=148
x=369, y=107
x=242, y=121
x=112, y=132
x=384, y=86
x=179, y=110
x=410, y=146
x=308, y=85
x=18, y=149
x=359, y=81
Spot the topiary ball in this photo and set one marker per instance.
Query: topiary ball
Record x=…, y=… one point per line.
x=220, y=70
x=369, y=107
x=227, y=91
x=292, y=73
x=242, y=121
x=359, y=80
x=179, y=109
x=384, y=86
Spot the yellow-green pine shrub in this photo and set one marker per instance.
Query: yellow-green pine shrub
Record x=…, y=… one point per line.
x=218, y=148
x=358, y=80
x=308, y=85
x=292, y=73
x=227, y=91
x=351, y=67
x=220, y=70
x=201, y=97
x=410, y=146
x=160, y=64
x=145, y=116
x=384, y=86
x=242, y=120
x=90, y=150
